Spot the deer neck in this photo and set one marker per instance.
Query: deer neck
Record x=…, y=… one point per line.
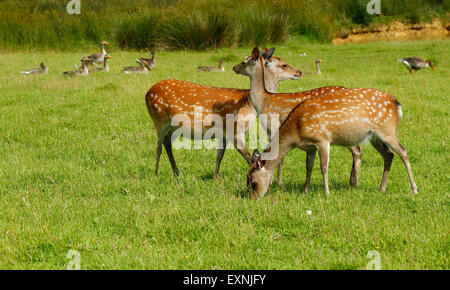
x=258, y=93
x=269, y=81
x=280, y=146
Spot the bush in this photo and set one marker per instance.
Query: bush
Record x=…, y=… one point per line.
x=194, y=24
x=139, y=31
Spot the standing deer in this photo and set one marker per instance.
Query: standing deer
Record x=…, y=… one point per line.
x=169, y=98
x=345, y=118
x=282, y=104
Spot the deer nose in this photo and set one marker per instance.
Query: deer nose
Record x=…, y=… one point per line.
x=235, y=68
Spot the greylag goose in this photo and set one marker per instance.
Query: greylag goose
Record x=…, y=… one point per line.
x=415, y=63
x=105, y=67
x=82, y=72
x=212, y=68
x=99, y=57
x=317, y=62
x=42, y=69
x=151, y=61
x=141, y=69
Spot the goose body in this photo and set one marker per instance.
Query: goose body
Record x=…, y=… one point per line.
x=81, y=72
x=415, y=63
x=142, y=68
x=105, y=67
x=42, y=69
x=151, y=61
x=212, y=68
x=99, y=57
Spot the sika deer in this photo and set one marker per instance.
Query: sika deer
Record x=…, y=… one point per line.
x=282, y=104
x=344, y=118
x=170, y=97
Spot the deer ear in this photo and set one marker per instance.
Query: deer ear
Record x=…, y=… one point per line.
x=255, y=156
x=268, y=53
x=255, y=53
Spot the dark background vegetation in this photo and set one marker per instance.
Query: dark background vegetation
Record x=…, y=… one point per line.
x=198, y=25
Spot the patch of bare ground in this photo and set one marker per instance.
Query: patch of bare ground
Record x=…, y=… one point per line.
x=397, y=31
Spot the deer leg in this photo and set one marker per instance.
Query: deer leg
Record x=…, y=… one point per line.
x=388, y=156
x=279, y=177
x=310, y=158
x=403, y=153
x=354, y=176
x=324, y=154
x=239, y=143
x=219, y=156
x=158, y=155
x=168, y=147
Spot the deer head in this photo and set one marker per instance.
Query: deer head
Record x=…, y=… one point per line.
x=259, y=177
x=275, y=68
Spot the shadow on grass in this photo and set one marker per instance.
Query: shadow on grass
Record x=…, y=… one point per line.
x=243, y=193
x=207, y=176
x=317, y=187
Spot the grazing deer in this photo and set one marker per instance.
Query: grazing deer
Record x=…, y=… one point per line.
x=282, y=104
x=169, y=98
x=345, y=118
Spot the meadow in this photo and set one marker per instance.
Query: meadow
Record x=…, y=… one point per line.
x=77, y=161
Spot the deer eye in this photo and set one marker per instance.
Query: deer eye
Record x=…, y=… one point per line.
x=285, y=65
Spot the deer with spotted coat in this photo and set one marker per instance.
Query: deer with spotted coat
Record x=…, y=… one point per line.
x=169, y=98
x=282, y=104
x=347, y=118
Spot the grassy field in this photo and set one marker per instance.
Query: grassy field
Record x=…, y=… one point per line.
x=77, y=158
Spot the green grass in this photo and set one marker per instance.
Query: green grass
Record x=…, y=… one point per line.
x=78, y=156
